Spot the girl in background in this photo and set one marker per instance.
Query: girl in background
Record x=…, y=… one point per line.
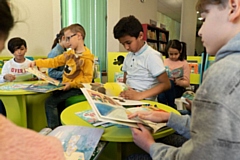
x=175, y=58
x=59, y=46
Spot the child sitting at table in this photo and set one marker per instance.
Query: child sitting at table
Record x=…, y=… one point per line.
x=78, y=69
x=143, y=68
x=15, y=66
x=59, y=46
x=178, y=72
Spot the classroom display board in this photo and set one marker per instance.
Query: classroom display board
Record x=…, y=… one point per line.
x=115, y=62
x=114, y=66
x=97, y=70
x=195, y=65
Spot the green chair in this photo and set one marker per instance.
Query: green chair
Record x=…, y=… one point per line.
x=74, y=99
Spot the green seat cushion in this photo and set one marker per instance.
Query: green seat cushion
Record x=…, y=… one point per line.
x=75, y=99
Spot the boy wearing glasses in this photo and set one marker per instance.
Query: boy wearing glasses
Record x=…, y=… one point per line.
x=78, y=69
x=143, y=68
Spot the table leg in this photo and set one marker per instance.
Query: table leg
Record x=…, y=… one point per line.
x=36, y=116
x=15, y=106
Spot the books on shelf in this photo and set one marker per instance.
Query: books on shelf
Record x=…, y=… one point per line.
x=151, y=35
x=107, y=109
x=78, y=142
x=193, y=67
x=175, y=73
x=153, y=45
x=162, y=47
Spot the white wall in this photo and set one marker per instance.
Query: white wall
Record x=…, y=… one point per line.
x=171, y=25
x=122, y=8
x=41, y=22
x=113, y=12
x=188, y=25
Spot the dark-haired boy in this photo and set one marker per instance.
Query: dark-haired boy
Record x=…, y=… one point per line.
x=144, y=71
x=17, y=65
x=215, y=121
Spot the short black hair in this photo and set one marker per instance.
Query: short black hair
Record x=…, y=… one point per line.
x=127, y=26
x=16, y=43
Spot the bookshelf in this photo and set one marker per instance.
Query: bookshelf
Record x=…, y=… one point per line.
x=155, y=37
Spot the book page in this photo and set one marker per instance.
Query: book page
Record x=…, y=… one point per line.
x=44, y=87
x=109, y=110
x=77, y=140
x=175, y=73
x=23, y=77
x=105, y=107
x=43, y=76
x=126, y=102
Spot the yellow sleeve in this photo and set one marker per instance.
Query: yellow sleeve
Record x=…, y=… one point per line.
x=51, y=62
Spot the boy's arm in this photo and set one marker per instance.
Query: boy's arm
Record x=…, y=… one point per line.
x=125, y=77
x=51, y=62
x=164, y=84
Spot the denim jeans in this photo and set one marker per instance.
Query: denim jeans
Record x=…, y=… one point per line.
x=168, y=97
x=57, y=99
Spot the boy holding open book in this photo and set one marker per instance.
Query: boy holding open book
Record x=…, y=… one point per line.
x=214, y=130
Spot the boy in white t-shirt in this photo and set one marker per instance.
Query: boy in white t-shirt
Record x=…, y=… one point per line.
x=15, y=66
x=143, y=68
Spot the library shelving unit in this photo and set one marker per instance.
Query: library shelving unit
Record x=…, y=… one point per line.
x=155, y=37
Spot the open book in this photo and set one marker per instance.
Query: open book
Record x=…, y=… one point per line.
x=23, y=77
x=107, y=109
x=187, y=95
x=78, y=142
x=48, y=86
x=113, y=89
x=175, y=73
x=43, y=76
x=43, y=87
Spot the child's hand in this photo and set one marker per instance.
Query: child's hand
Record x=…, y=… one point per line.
x=142, y=137
x=32, y=64
x=67, y=86
x=189, y=105
x=177, y=82
x=154, y=116
x=131, y=94
x=9, y=77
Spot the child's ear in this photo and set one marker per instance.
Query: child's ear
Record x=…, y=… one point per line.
x=234, y=12
x=140, y=35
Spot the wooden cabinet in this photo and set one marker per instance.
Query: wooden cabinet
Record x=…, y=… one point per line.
x=155, y=37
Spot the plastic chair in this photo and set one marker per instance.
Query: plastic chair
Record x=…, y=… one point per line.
x=75, y=99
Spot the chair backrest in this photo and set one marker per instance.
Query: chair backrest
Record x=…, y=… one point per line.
x=30, y=58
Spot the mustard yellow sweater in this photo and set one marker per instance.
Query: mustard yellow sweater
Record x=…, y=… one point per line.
x=78, y=67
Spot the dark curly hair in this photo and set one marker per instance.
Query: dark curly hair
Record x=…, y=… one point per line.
x=127, y=26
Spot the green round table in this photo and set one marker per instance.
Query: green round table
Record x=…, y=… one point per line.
x=113, y=133
x=24, y=108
